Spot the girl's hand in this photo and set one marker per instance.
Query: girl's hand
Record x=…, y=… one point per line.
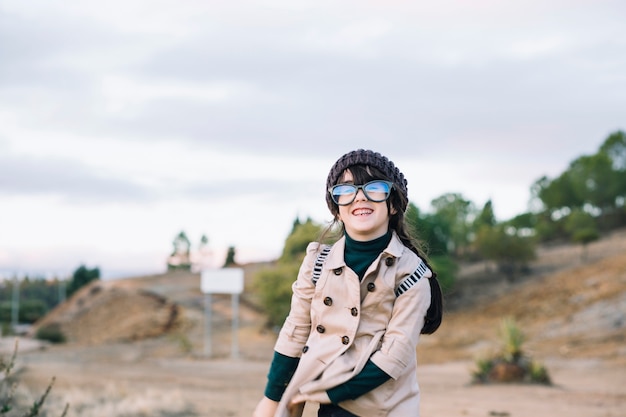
x=296, y=406
x=265, y=408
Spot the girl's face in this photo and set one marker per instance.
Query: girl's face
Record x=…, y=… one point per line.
x=363, y=219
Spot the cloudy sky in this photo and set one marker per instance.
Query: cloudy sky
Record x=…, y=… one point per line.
x=124, y=122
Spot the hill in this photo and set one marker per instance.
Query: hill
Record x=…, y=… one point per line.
x=572, y=304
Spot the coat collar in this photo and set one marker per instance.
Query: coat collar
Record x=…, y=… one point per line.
x=336, y=259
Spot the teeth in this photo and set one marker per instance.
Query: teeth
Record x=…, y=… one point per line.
x=362, y=211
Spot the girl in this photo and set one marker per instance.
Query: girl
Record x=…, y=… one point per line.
x=358, y=306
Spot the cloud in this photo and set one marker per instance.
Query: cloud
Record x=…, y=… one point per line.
x=303, y=80
x=68, y=180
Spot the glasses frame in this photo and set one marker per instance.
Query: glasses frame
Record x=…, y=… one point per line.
x=362, y=188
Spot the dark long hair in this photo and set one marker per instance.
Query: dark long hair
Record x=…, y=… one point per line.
x=362, y=174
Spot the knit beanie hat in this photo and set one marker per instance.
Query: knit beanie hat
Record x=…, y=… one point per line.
x=373, y=159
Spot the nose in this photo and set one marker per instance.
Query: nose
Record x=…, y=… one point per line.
x=360, y=195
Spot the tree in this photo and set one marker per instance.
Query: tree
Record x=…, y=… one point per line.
x=431, y=229
x=615, y=148
x=557, y=194
x=434, y=233
x=180, y=257
x=582, y=229
x=81, y=277
x=456, y=212
x=37, y=296
x=202, y=259
x=486, y=217
x=298, y=239
x=593, y=183
x=273, y=284
x=591, y=178
x=230, y=257
x=508, y=250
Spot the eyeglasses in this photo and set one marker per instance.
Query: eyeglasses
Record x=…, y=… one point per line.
x=376, y=191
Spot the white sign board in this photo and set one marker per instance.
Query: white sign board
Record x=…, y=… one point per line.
x=222, y=281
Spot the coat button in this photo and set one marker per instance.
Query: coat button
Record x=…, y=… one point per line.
x=354, y=311
x=328, y=301
x=320, y=328
x=345, y=340
x=338, y=271
x=305, y=349
x=371, y=287
x=389, y=261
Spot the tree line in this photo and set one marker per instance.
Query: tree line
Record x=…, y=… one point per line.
x=28, y=299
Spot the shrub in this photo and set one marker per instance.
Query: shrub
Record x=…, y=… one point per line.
x=512, y=340
x=51, y=332
x=274, y=289
x=510, y=364
x=7, y=389
x=539, y=373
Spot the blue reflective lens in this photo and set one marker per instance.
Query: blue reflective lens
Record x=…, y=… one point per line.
x=376, y=191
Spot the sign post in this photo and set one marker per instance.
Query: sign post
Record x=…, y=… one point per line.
x=221, y=281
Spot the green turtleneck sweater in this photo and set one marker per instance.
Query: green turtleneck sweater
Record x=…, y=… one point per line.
x=358, y=257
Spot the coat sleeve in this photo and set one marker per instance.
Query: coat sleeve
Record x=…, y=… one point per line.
x=402, y=334
x=295, y=331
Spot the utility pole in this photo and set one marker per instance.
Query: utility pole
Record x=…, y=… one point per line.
x=15, y=305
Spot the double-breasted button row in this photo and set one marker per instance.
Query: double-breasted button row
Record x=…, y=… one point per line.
x=371, y=287
x=305, y=349
x=389, y=261
x=354, y=311
x=338, y=271
x=320, y=328
x=345, y=340
x=328, y=301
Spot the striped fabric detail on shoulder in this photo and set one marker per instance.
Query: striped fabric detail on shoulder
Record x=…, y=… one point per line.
x=319, y=263
x=412, y=279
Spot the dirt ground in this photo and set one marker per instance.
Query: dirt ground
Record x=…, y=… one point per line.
x=573, y=311
x=117, y=381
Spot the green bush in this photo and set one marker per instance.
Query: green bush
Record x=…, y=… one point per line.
x=538, y=373
x=510, y=364
x=32, y=310
x=512, y=340
x=51, y=333
x=446, y=270
x=274, y=289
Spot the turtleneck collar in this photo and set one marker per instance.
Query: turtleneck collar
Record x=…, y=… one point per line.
x=360, y=255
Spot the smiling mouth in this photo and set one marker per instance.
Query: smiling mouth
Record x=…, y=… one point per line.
x=362, y=212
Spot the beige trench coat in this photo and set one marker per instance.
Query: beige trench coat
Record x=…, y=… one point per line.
x=340, y=323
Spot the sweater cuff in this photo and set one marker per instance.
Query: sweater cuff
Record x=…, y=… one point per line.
x=280, y=373
x=369, y=378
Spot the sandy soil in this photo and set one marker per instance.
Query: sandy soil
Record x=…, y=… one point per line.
x=118, y=381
